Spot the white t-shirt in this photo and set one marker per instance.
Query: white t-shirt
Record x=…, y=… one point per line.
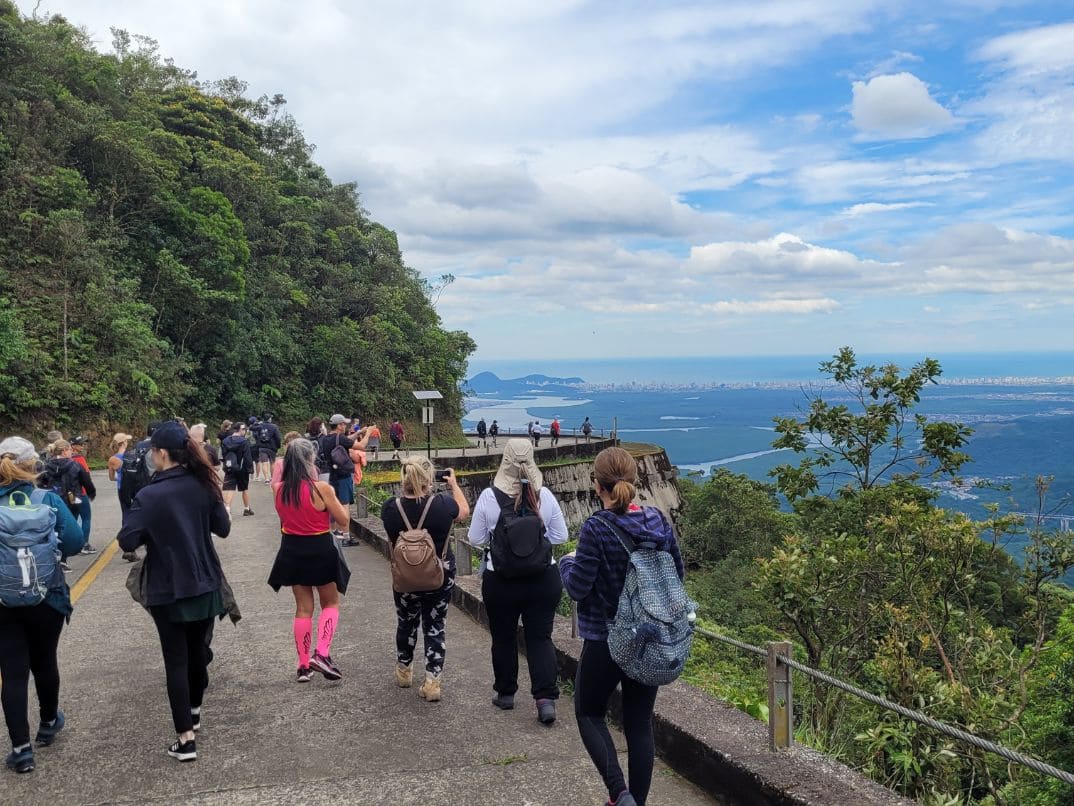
x=487, y=512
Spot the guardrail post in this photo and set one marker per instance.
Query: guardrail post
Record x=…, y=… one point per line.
x=780, y=697
x=464, y=554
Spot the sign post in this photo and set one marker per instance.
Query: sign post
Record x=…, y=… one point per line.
x=427, y=408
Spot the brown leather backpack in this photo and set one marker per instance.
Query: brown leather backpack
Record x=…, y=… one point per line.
x=415, y=564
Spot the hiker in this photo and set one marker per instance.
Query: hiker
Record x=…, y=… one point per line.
x=175, y=517
x=31, y=617
x=397, y=435
x=84, y=515
x=238, y=461
x=197, y=431
x=494, y=431
x=314, y=431
x=373, y=446
x=277, y=467
x=67, y=478
x=268, y=441
x=482, y=432
x=536, y=432
x=519, y=507
x=553, y=431
x=419, y=508
x=135, y=474
x=307, y=558
x=593, y=576
x=587, y=429
x=334, y=449
x=115, y=462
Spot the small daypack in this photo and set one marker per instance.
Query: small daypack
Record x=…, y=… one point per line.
x=136, y=474
x=342, y=463
x=235, y=459
x=519, y=545
x=651, y=634
x=63, y=479
x=29, y=549
x=415, y=563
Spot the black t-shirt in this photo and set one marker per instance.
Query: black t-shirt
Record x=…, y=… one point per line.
x=441, y=516
x=325, y=446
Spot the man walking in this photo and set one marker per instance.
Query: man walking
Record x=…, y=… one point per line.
x=494, y=431
x=84, y=514
x=268, y=439
x=335, y=448
x=537, y=431
x=238, y=462
x=482, y=432
x=396, y=435
x=553, y=431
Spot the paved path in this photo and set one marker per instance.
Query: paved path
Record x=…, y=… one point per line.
x=267, y=739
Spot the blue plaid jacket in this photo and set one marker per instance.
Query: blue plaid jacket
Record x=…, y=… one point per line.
x=594, y=576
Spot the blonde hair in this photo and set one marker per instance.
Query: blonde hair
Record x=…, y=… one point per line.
x=617, y=474
x=114, y=447
x=12, y=471
x=290, y=437
x=58, y=447
x=418, y=475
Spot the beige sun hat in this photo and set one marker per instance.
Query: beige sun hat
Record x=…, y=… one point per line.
x=517, y=462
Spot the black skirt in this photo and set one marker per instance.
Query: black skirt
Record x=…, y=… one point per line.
x=311, y=560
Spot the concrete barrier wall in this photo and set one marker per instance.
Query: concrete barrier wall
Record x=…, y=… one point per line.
x=704, y=739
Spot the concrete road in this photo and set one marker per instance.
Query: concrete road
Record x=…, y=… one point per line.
x=267, y=739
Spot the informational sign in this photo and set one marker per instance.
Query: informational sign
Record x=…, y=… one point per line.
x=427, y=414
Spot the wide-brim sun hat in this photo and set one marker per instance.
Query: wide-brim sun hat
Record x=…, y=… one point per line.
x=517, y=462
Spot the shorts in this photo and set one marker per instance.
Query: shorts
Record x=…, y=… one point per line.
x=344, y=488
x=237, y=481
x=266, y=455
x=373, y=444
x=396, y=442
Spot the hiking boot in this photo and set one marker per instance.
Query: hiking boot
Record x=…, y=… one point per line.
x=21, y=759
x=546, y=711
x=324, y=665
x=430, y=689
x=88, y=549
x=195, y=716
x=404, y=675
x=184, y=751
x=504, y=701
x=46, y=733
x=247, y=512
x=304, y=674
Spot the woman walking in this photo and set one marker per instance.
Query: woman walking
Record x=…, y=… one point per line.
x=594, y=577
x=308, y=558
x=175, y=517
x=419, y=507
x=30, y=634
x=115, y=463
x=530, y=593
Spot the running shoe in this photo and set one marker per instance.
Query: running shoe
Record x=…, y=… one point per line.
x=195, y=715
x=546, y=711
x=130, y=556
x=88, y=549
x=66, y=568
x=246, y=512
x=324, y=665
x=184, y=751
x=46, y=733
x=624, y=799
x=21, y=759
x=304, y=674
x=504, y=701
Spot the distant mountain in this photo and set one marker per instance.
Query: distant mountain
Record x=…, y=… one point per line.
x=489, y=382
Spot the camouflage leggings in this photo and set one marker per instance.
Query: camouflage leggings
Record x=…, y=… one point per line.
x=430, y=610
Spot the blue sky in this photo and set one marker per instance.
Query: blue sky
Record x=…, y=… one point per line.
x=731, y=178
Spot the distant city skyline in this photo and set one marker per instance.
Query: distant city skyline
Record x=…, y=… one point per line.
x=689, y=178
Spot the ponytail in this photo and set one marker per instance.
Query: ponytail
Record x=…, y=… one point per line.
x=617, y=474
x=193, y=457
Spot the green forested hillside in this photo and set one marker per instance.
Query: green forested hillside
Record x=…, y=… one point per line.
x=170, y=246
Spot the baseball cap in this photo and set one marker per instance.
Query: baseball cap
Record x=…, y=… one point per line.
x=252, y=420
x=170, y=436
x=336, y=419
x=121, y=437
x=80, y=440
x=22, y=450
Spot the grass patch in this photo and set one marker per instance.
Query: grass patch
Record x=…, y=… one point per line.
x=518, y=758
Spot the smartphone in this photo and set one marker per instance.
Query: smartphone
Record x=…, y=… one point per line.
x=441, y=475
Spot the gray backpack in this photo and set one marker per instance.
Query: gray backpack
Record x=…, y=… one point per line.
x=653, y=629
x=29, y=549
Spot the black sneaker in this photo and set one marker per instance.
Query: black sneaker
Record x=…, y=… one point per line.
x=130, y=556
x=324, y=665
x=184, y=751
x=88, y=549
x=546, y=711
x=195, y=715
x=304, y=674
x=46, y=734
x=504, y=701
x=21, y=759
x=246, y=512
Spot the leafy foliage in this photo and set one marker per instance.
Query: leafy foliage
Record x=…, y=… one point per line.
x=170, y=246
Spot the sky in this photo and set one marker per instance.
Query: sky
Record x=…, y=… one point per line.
x=615, y=179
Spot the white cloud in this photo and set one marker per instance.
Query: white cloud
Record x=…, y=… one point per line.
x=896, y=107
x=869, y=208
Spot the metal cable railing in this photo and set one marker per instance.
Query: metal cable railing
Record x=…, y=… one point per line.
x=916, y=716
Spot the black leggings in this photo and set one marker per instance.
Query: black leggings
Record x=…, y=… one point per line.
x=598, y=675
x=534, y=600
x=185, y=646
x=28, y=640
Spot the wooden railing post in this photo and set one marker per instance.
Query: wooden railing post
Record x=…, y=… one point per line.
x=780, y=697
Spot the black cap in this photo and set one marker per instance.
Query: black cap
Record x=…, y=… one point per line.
x=170, y=436
x=78, y=440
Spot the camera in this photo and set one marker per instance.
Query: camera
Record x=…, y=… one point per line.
x=441, y=475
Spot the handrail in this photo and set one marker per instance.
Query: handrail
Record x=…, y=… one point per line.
x=915, y=716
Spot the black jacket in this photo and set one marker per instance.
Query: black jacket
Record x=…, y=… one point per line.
x=241, y=446
x=268, y=437
x=174, y=517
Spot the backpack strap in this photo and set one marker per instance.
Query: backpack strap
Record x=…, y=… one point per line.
x=406, y=520
x=625, y=539
x=425, y=511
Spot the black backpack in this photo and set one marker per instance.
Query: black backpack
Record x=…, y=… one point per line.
x=136, y=473
x=519, y=546
x=63, y=479
x=234, y=458
x=264, y=436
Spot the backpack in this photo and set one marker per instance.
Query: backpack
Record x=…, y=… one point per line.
x=263, y=435
x=519, y=545
x=235, y=458
x=415, y=564
x=651, y=634
x=29, y=550
x=64, y=481
x=342, y=464
x=136, y=474
x=587, y=429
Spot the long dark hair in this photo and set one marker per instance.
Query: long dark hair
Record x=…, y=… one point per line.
x=296, y=469
x=193, y=457
x=313, y=427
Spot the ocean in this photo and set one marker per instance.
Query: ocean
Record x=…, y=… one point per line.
x=717, y=412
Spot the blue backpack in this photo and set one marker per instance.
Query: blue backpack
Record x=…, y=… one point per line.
x=653, y=629
x=29, y=549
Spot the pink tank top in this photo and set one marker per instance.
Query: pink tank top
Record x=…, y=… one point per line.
x=304, y=519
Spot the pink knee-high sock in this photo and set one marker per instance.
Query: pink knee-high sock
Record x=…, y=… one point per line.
x=326, y=628
x=303, y=639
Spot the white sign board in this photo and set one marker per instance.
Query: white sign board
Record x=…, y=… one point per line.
x=427, y=414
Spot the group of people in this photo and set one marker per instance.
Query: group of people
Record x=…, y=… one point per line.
x=174, y=516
